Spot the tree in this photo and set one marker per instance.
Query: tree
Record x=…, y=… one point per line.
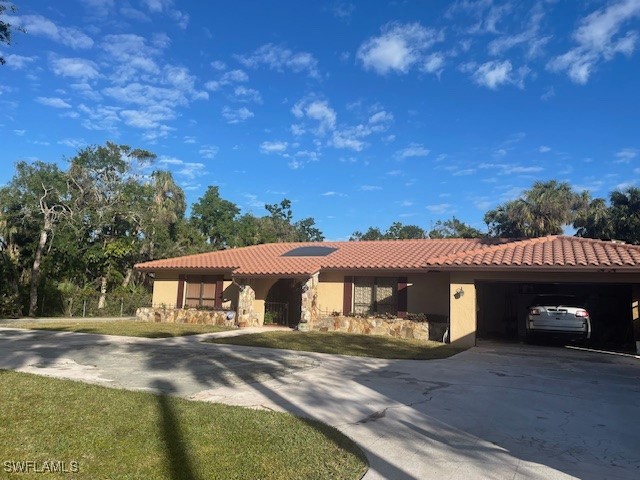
x=372, y=233
x=594, y=221
x=454, y=228
x=307, y=231
x=215, y=218
x=36, y=200
x=6, y=29
x=277, y=226
x=542, y=210
x=624, y=214
x=396, y=231
x=110, y=207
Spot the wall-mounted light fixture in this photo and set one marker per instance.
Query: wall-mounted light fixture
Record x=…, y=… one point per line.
x=459, y=293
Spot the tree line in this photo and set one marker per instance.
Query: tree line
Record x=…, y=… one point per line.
x=73, y=233
x=547, y=208
x=76, y=232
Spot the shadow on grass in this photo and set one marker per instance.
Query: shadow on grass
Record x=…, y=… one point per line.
x=178, y=462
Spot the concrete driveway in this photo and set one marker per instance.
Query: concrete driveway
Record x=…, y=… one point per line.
x=492, y=412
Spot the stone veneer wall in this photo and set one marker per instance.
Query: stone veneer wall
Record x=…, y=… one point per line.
x=186, y=315
x=390, y=327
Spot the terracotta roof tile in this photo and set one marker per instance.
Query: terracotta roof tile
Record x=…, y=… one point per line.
x=546, y=252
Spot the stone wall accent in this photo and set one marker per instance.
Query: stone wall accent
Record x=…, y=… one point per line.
x=246, y=316
x=309, y=313
x=186, y=315
x=390, y=327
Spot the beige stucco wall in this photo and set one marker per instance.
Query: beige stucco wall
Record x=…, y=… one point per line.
x=330, y=292
x=462, y=312
x=165, y=289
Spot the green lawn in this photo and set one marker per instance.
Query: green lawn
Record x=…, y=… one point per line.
x=346, y=344
x=121, y=434
x=125, y=327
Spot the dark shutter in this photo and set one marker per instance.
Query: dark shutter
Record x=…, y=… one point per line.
x=180, y=291
x=402, y=297
x=347, y=299
x=219, y=292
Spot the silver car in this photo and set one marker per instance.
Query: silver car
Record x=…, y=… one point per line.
x=558, y=315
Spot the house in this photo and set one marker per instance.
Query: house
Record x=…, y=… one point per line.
x=478, y=287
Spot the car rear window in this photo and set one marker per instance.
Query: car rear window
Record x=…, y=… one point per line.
x=555, y=300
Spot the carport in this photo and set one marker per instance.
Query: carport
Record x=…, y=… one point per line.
x=502, y=308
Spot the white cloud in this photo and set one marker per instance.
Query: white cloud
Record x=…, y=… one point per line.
x=493, y=74
x=434, y=63
x=342, y=9
x=190, y=170
x=244, y=94
x=100, y=118
x=511, y=169
x=74, y=67
x=132, y=55
x=166, y=6
x=54, y=102
x=413, y=150
x=18, y=62
x=227, y=78
x=599, y=39
x=87, y=91
x=75, y=143
x=208, y=151
x=381, y=117
x=234, y=116
x=280, y=59
x=544, y=149
x=370, y=188
x=40, y=26
x=273, y=147
x=626, y=155
x=218, y=65
x=317, y=110
x=440, y=208
x=530, y=37
x=398, y=48
x=346, y=141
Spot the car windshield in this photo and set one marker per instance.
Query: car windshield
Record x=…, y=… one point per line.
x=555, y=300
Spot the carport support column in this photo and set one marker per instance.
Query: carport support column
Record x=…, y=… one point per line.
x=309, y=308
x=246, y=296
x=462, y=309
x=635, y=314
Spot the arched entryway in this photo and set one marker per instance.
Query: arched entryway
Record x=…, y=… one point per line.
x=283, y=304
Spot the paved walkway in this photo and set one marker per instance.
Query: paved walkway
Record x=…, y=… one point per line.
x=495, y=411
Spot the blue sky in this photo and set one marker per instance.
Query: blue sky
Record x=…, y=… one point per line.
x=361, y=113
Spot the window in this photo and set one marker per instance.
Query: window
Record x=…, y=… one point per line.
x=375, y=295
x=201, y=292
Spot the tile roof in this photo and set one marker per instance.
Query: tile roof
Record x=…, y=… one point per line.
x=412, y=255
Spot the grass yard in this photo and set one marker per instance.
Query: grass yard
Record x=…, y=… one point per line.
x=111, y=433
x=124, y=327
x=346, y=344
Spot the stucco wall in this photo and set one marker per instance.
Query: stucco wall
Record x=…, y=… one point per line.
x=462, y=316
x=165, y=289
x=330, y=292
